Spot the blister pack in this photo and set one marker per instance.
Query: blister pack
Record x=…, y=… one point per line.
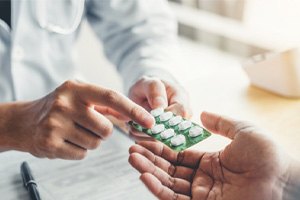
x=173, y=130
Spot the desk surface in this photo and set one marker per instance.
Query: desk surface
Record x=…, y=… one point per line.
x=104, y=174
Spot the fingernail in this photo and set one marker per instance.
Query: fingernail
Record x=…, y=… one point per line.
x=160, y=102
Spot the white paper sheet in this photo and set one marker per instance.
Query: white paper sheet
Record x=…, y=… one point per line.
x=104, y=174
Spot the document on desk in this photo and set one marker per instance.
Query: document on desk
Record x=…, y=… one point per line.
x=104, y=174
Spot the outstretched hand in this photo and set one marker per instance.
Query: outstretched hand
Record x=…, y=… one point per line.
x=250, y=167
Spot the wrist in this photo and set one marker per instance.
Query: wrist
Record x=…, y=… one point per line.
x=291, y=189
x=11, y=126
x=6, y=120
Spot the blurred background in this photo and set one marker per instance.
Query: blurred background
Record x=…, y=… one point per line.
x=242, y=27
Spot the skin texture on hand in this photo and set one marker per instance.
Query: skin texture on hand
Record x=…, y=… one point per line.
x=67, y=122
x=152, y=92
x=250, y=167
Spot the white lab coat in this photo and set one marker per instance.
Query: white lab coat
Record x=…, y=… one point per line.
x=35, y=57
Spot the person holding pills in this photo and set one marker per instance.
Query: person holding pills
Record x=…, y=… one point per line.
x=44, y=109
x=251, y=167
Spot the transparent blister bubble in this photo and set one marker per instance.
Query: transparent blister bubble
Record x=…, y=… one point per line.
x=186, y=133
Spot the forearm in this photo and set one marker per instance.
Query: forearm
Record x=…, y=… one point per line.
x=292, y=188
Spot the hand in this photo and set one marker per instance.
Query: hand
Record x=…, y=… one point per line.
x=69, y=121
x=250, y=167
x=151, y=93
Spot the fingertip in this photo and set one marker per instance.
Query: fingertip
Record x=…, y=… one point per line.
x=204, y=115
x=142, y=117
x=132, y=159
x=134, y=148
x=149, y=120
x=139, y=162
x=208, y=119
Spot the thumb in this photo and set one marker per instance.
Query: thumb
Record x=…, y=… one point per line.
x=157, y=95
x=219, y=124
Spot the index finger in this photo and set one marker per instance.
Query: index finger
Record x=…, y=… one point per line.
x=102, y=96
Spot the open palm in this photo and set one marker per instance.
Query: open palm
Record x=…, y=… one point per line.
x=250, y=167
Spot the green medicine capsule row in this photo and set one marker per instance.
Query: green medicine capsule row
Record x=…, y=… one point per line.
x=173, y=130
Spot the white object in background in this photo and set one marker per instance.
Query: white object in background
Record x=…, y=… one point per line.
x=276, y=72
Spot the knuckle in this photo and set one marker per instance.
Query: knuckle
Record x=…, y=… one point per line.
x=69, y=84
x=66, y=86
x=171, y=182
x=171, y=170
x=111, y=96
x=49, y=124
x=175, y=196
x=180, y=157
x=135, y=112
x=59, y=105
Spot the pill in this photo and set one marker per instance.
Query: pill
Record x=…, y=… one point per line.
x=156, y=112
x=167, y=133
x=165, y=116
x=195, y=131
x=175, y=120
x=184, y=125
x=157, y=129
x=178, y=140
